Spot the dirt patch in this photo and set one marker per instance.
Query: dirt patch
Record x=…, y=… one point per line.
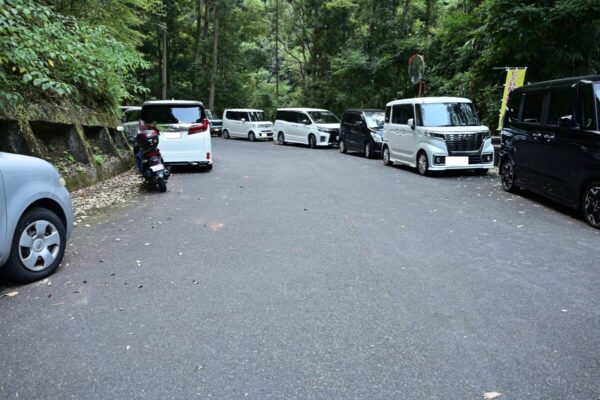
x=116, y=190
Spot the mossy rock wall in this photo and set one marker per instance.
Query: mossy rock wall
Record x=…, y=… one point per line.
x=84, y=146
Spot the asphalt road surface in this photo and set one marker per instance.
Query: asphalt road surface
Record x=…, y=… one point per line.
x=290, y=273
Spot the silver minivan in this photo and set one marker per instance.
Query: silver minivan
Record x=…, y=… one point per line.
x=436, y=134
x=35, y=218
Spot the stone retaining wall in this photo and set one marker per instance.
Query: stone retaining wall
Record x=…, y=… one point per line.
x=85, y=152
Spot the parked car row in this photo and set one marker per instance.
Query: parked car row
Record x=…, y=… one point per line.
x=550, y=143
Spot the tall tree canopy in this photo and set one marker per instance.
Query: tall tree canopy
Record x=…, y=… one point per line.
x=270, y=53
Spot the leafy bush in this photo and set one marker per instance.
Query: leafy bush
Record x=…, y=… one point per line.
x=46, y=56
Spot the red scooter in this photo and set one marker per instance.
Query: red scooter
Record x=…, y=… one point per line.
x=148, y=158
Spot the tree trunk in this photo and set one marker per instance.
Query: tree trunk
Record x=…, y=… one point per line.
x=276, y=50
x=195, y=69
x=163, y=69
x=206, y=10
x=215, y=57
x=198, y=31
x=428, y=7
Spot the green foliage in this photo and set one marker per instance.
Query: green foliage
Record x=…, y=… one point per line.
x=51, y=57
x=331, y=53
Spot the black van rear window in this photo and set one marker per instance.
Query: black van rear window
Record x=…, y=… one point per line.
x=172, y=114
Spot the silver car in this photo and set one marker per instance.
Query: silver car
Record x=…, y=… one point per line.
x=35, y=218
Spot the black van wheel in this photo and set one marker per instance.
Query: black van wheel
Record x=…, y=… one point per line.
x=368, y=152
x=312, y=141
x=386, y=157
x=343, y=146
x=507, y=176
x=422, y=164
x=591, y=204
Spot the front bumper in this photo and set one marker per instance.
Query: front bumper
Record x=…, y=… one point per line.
x=437, y=152
x=264, y=135
x=218, y=130
x=67, y=206
x=475, y=161
x=327, y=139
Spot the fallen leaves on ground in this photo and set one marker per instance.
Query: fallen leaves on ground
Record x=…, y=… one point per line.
x=116, y=190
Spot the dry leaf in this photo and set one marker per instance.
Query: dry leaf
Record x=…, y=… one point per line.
x=491, y=395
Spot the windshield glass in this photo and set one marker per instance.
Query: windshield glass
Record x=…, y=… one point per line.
x=176, y=114
x=211, y=115
x=375, y=119
x=447, y=114
x=323, y=117
x=597, y=91
x=257, y=116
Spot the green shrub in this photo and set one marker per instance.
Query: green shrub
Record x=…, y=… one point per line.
x=46, y=56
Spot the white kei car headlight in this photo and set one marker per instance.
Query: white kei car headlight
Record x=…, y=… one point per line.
x=434, y=135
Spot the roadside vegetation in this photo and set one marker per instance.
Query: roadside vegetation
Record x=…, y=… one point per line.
x=264, y=54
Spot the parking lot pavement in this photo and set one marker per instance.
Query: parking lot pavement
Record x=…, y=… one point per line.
x=294, y=273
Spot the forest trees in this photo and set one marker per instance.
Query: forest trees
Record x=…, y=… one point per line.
x=322, y=53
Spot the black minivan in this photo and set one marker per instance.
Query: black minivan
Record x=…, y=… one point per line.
x=362, y=130
x=551, y=143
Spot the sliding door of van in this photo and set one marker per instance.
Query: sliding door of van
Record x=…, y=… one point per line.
x=568, y=148
x=238, y=124
x=527, y=139
x=300, y=128
x=401, y=137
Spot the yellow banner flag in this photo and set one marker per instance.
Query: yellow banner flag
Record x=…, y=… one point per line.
x=515, y=77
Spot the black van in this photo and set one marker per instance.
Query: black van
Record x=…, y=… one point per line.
x=362, y=130
x=551, y=143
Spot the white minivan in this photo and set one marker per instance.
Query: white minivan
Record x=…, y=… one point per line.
x=246, y=123
x=436, y=134
x=311, y=126
x=183, y=127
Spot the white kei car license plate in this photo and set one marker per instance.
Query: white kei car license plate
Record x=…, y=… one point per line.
x=172, y=135
x=157, y=167
x=457, y=161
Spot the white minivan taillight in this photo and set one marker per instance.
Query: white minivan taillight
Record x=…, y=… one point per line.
x=197, y=128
